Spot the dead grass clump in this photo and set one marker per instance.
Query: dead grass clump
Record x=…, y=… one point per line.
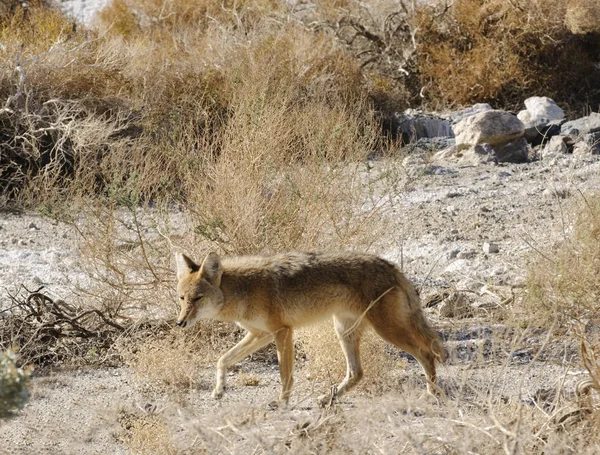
x=564, y=285
x=496, y=51
x=583, y=16
x=176, y=359
x=146, y=434
x=326, y=365
x=163, y=20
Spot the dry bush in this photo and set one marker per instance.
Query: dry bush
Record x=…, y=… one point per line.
x=326, y=365
x=564, y=285
x=146, y=434
x=583, y=16
x=175, y=359
x=502, y=52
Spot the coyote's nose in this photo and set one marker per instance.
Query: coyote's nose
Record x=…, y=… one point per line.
x=181, y=323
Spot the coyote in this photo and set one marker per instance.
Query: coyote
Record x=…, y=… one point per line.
x=270, y=296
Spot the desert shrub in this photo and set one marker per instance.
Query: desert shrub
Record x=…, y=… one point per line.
x=175, y=359
x=583, y=16
x=502, y=52
x=326, y=365
x=563, y=285
x=146, y=433
x=14, y=384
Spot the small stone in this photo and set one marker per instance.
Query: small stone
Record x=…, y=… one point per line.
x=33, y=227
x=453, y=253
x=452, y=210
x=22, y=242
x=467, y=254
x=452, y=194
x=489, y=247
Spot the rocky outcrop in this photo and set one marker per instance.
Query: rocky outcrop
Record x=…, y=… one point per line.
x=485, y=135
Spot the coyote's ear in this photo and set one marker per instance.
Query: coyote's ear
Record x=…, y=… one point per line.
x=211, y=269
x=185, y=265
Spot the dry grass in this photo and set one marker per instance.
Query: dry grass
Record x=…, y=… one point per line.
x=146, y=434
x=563, y=285
x=502, y=52
x=325, y=366
x=174, y=360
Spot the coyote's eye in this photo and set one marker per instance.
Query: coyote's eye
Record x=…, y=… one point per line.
x=181, y=298
x=197, y=299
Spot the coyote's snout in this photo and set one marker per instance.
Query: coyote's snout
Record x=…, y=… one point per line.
x=270, y=296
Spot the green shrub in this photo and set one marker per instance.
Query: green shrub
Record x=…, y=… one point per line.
x=14, y=384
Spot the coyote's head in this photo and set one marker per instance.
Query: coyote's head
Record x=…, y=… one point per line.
x=198, y=288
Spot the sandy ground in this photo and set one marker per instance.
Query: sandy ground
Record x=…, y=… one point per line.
x=451, y=211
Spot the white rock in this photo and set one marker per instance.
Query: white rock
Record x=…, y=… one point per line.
x=540, y=107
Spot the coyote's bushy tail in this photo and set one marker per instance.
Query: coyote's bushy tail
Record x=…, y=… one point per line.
x=425, y=334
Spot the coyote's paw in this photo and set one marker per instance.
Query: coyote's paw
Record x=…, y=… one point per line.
x=217, y=394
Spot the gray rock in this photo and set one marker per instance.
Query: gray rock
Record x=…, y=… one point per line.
x=413, y=125
x=514, y=152
x=479, y=154
x=494, y=127
x=589, y=144
x=584, y=125
x=557, y=145
x=490, y=248
x=466, y=254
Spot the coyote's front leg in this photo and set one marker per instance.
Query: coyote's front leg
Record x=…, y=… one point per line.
x=252, y=342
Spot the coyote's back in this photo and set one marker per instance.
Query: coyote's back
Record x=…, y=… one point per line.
x=269, y=296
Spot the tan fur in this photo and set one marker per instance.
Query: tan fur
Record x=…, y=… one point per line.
x=270, y=296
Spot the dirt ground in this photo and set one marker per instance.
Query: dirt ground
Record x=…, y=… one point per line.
x=445, y=215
